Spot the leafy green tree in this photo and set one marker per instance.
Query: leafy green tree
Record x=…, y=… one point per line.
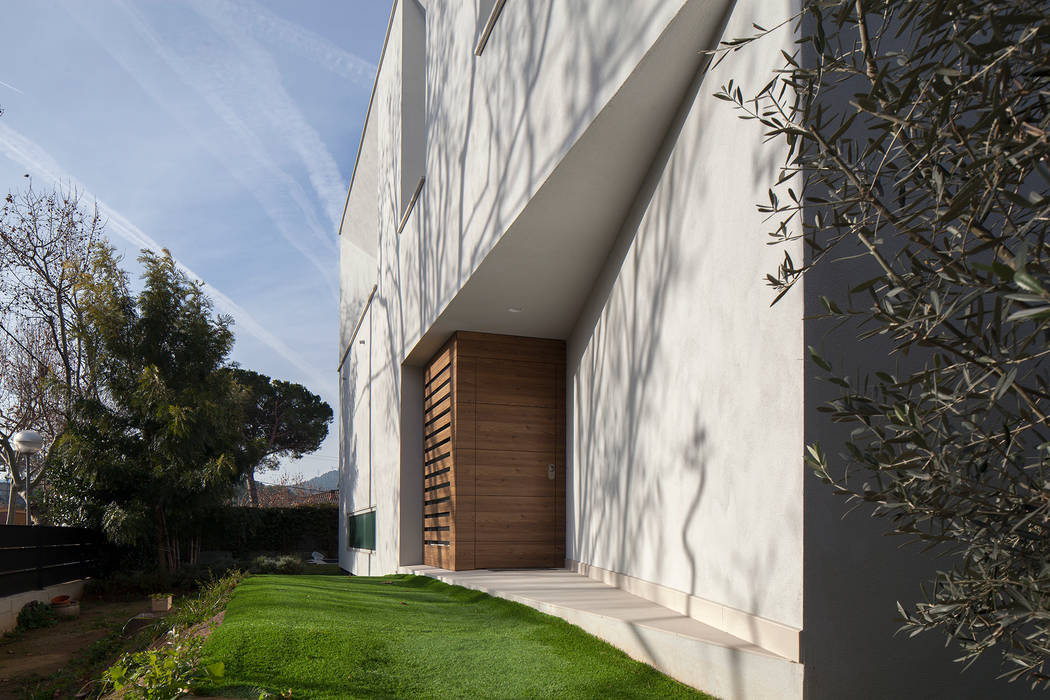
x=147, y=457
x=918, y=141
x=281, y=419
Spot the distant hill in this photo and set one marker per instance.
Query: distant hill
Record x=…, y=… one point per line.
x=328, y=481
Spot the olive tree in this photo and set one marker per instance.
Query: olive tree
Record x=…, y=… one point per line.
x=918, y=137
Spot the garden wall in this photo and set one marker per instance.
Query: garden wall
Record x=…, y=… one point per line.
x=11, y=605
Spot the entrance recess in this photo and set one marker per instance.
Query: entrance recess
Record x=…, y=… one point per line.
x=494, y=453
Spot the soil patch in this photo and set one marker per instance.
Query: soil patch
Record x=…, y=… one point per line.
x=204, y=629
x=201, y=629
x=38, y=653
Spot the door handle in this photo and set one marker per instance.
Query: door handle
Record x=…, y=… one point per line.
x=550, y=472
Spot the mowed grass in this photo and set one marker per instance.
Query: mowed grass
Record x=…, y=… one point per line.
x=411, y=637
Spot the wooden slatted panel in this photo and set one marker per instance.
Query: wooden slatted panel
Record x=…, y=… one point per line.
x=438, y=463
x=441, y=393
x=438, y=437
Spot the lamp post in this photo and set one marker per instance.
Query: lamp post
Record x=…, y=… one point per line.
x=28, y=443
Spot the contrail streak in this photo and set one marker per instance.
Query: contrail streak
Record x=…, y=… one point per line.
x=270, y=102
x=261, y=21
x=40, y=163
x=246, y=149
x=9, y=86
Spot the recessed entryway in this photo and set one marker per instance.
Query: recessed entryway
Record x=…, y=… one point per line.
x=494, y=453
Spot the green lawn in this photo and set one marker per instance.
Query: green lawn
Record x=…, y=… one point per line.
x=412, y=637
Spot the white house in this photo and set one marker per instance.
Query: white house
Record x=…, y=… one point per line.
x=557, y=349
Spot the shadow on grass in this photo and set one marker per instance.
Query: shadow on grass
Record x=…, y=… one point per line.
x=405, y=636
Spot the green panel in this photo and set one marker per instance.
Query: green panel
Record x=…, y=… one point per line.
x=361, y=530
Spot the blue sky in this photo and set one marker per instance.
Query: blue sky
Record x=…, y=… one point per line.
x=222, y=130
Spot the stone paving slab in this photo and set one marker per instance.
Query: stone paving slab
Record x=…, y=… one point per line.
x=686, y=649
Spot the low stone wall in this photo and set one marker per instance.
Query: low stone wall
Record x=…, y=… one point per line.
x=11, y=605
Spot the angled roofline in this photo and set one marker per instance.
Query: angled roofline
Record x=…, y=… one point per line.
x=368, y=114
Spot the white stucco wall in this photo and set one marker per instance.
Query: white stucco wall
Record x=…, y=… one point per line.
x=686, y=385
x=357, y=478
x=672, y=487
x=496, y=126
x=359, y=238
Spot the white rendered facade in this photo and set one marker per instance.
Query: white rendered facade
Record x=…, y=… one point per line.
x=580, y=170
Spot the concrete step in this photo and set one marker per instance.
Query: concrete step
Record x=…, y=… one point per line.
x=685, y=649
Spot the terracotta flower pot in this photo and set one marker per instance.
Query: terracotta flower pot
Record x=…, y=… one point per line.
x=64, y=606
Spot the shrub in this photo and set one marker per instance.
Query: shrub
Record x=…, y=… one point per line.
x=139, y=583
x=168, y=671
x=160, y=674
x=277, y=565
x=36, y=614
x=194, y=576
x=211, y=600
x=128, y=583
x=301, y=529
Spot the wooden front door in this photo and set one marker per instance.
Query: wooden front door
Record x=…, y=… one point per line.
x=494, y=453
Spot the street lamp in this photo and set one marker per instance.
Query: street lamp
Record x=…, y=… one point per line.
x=28, y=443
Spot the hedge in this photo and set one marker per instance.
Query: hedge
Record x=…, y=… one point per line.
x=242, y=530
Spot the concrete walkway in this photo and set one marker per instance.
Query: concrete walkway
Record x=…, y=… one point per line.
x=683, y=648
